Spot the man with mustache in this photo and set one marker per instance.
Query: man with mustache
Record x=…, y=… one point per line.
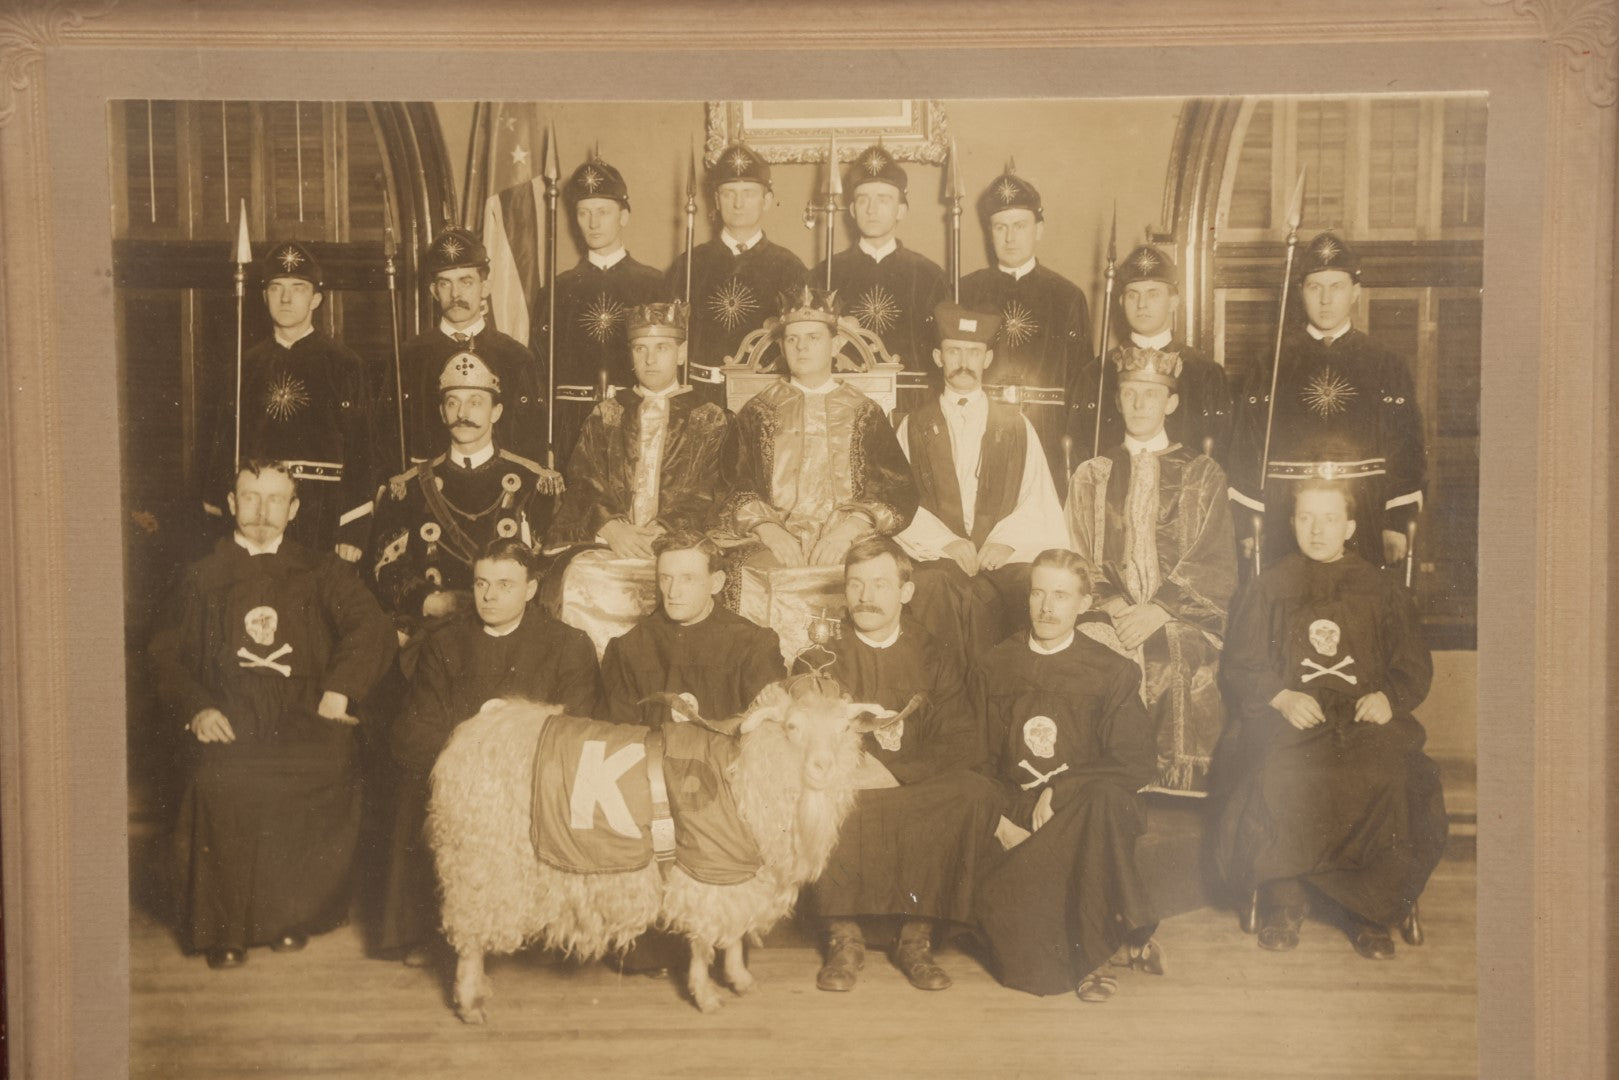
x=988, y=505
x=594, y=299
x=911, y=849
x=457, y=268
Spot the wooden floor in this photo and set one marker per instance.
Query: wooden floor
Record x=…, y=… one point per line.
x=1224, y=1009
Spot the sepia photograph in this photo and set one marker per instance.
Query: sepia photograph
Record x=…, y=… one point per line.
x=1000, y=543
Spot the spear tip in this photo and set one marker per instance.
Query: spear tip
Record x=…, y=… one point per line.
x=834, y=181
x=552, y=171
x=953, y=169
x=1295, y=212
x=244, y=245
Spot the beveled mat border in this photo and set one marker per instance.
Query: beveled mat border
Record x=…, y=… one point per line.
x=1549, y=259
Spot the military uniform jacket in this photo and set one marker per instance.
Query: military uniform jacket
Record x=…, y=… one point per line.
x=592, y=305
x=1201, y=420
x=732, y=294
x=1045, y=338
x=434, y=518
x=894, y=297
x=522, y=423
x=602, y=469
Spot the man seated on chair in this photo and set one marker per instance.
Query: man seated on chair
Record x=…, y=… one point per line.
x=1072, y=746
x=647, y=463
x=988, y=505
x=506, y=647
x=1331, y=800
x=912, y=847
x=1151, y=519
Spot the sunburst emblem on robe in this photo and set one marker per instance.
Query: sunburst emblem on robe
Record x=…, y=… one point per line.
x=876, y=310
x=285, y=397
x=731, y=303
x=590, y=179
x=1006, y=191
x=601, y=317
x=290, y=259
x=1327, y=394
x=451, y=247
x=1017, y=324
x=739, y=161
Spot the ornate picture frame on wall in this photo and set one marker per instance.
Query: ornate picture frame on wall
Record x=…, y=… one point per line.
x=1546, y=651
x=912, y=129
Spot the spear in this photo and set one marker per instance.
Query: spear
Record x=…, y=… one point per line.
x=389, y=268
x=553, y=175
x=954, y=194
x=691, y=239
x=1294, y=213
x=1108, y=275
x=243, y=256
x=834, y=190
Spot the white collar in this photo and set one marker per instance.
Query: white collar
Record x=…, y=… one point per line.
x=1336, y=332
x=739, y=246
x=667, y=392
x=512, y=629
x=827, y=387
x=607, y=262
x=878, y=643
x=286, y=343
x=471, y=331
x=880, y=253
x=1018, y=272
x=1048, y=650
x=1156, y=341
x=459, y=459
x=1153, y=445
x=258, y=549
x=950, y=397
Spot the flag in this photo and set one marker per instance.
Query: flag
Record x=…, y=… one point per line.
x=513, y=217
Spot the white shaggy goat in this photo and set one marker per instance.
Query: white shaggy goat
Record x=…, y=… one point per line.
x=793, y=781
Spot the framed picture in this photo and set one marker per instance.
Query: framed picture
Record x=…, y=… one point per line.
x=911, y=129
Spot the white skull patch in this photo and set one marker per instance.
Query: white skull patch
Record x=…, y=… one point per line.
x=261, y=623
x=1324, y=635
x=1040, y=736
x=890, y=736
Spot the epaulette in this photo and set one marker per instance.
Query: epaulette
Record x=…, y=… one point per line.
x=507, y=455
x=396, y=484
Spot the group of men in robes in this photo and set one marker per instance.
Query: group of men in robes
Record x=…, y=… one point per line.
x=1048, y=659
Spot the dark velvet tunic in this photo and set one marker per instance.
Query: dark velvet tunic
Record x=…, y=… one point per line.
x=521, y=427
x=895, y=298
x=732, y=294
x=723, y=661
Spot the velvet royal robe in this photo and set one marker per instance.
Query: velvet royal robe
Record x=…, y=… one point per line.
x=1187, y=530
x=1058, y=904
x=914, y=850
x=723, y=661
x=268, y=823
x=1354, y=809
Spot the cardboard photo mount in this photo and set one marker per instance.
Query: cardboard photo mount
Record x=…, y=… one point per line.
x=1549, y=67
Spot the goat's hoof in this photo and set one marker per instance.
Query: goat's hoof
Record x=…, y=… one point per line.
x=471, y=1014
x=708, y=1002
x=743, y=984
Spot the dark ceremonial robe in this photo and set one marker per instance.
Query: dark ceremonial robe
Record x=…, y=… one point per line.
x=807, y=462
x=1184, y=528
x=593, y=306
x=460, y=668
x=521, y=427
x=309, y=406
x=1057, y=905
x=916, y=849
x=1354, y=809
x=1351, y=403
x=467, y=508
x=1045, y=342
x=1202, y=420
x=268, y=823
x=723, y=661
x=731, y=295
x=895, y=298
x=607, y=459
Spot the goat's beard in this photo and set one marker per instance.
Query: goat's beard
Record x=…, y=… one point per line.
x=796, y=826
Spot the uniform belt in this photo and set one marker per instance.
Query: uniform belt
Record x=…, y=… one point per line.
x=590, y=394
x=1325, y=470
x=315, y=470
x=911, y=380
x=703, y=373
x=663, y=823
x=1027, y=395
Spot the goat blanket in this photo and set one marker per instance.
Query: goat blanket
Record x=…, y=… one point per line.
x=593, y=801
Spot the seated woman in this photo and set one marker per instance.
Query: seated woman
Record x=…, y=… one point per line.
x=1327, y=794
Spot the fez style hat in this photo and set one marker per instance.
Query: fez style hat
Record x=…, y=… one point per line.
x=1147, y=263
x=1151, y=366
x=957, y=323
x=455, y=248
x=1010, y=192
x=1327, y=252
x=467, y=371
x=291, y=259
x=596, y=179
x=739, y=161
x=658, y=320
x=810, y=305
x=876, y=165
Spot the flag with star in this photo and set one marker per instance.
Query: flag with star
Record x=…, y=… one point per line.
x=513, y=217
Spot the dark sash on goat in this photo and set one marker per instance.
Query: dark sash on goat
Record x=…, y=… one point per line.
x=1000, y=467
x=593, y=804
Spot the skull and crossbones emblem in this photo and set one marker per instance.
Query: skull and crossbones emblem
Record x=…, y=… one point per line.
x=261, y=623
x=1040, y=736
x=1325, y=637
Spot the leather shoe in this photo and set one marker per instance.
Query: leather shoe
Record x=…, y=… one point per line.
x=1411, y=926
x=1373, y=942
x=289, y=942
x=1279, y=929
x=226, y=958
x=915, y=959
x=844, y=959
